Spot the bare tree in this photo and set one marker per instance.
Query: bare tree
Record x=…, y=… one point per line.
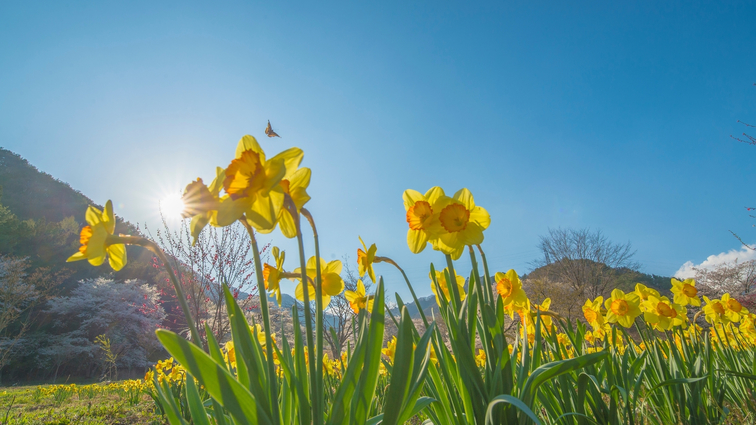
x=585, y=261
x=219, y=256
x=736, y=278
x=21, y=299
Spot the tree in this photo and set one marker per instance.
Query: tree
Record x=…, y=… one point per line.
x=127, y=313
x=733, y=277
x=584, y=262
x=218, y=256
x=20, y=297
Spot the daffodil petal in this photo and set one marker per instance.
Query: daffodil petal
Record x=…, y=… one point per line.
x=249, y=143
x=410, y=197
x=416, y=239
x=117, y=256
x=76, y=257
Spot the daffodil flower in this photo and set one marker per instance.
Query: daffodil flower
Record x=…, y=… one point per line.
x=644, y=291
x=294, y=184
x=662, y=314
x=423, y=221
x=358, y=300
x=715, y=311
x=94, y=239
x=733, y=309
x=480, y=358
x=390, y=349
x=365, y=259
x=252, y=185
x=685, y=292
x=622, y=308
x=509, y=288
x=331, y=280
x=546, y=321
x=272, y=275
x=592, y=312
x=463, y=223
x=441, y=279
x=201, y=203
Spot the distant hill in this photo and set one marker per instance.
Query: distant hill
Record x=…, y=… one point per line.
x=41, y=217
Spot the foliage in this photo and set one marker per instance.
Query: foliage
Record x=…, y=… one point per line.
x=127, y=312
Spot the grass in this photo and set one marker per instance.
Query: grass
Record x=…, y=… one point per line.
x=91, y=404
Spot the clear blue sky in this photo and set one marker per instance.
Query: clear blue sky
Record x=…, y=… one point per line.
x=610, y=116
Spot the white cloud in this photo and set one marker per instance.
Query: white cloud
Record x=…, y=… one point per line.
x=744, y=254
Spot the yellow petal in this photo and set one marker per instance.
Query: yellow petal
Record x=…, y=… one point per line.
x=249, y=143
x=93, y=216
x=96, y=244
x=108, y=218
x=480, y=215
x=286, y=224
x=332, y=284
x=197, y=224
x=274, y=172
x=465, y=197
x=117, y=256
x=299, y=196
x=217, y=184
x=291, y=158
x=76, y=257
x=410, y=197
x=334, y=266
x=264, y=210
x=416, y=239
x=231, y=210
x=433, y=194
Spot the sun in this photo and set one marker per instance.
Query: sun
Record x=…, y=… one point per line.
x=172, y=206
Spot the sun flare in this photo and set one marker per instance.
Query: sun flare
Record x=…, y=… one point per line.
x=172, y=206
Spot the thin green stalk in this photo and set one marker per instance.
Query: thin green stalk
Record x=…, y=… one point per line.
x=452, y=283
x=152, y=246
x=409, y=285
x=317, y=409
x=318, y=307
x=272, y=379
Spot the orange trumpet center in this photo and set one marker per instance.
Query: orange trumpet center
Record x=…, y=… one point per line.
x=454, y=218
x=620, y=307
x=418, y=214
x=689, y=290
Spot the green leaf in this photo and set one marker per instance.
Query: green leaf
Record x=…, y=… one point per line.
x=402, y=370
x=196, y=407
x=360, y=405
x=554, y=369
x=514, y=401
x=231, y=394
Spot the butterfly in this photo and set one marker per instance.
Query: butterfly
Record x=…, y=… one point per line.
x=269, y=131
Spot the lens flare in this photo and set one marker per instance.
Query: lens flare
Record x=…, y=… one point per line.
x=172, y=206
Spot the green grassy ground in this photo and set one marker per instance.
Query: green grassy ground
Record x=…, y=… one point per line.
x=28, y=405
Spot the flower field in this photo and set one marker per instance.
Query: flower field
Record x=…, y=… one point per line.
x=638, y=357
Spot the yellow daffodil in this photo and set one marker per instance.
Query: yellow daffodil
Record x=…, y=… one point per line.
x=748, y=326
x=592, y=312
x=294, y=184
x=252, y=185
x=509, y=287
x=563, y=340
x=201, y=203
x=330, y=274
x=272, y=275
x=546, y=321
x=365, y=258
x=390, y=349
x=259, y=333
x=663, y=315
x=423, y=220
x=358, y=300
x=733, y=309
x=230, y=353
x=94, y=239
x=715, y=311
x=685, y=292
x=622, y=308
x=441, y=279
x=644, y=291
x=463, y=223
x=480, y=358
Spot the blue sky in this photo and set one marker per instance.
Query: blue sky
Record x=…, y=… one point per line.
x=610, y=116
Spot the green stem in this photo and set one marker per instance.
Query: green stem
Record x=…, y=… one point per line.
x=452, y=283
x=318, y=309
x=409, y=285
x=489, y=286
x=272, y=378
x=152, y=246
x=317, y=409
